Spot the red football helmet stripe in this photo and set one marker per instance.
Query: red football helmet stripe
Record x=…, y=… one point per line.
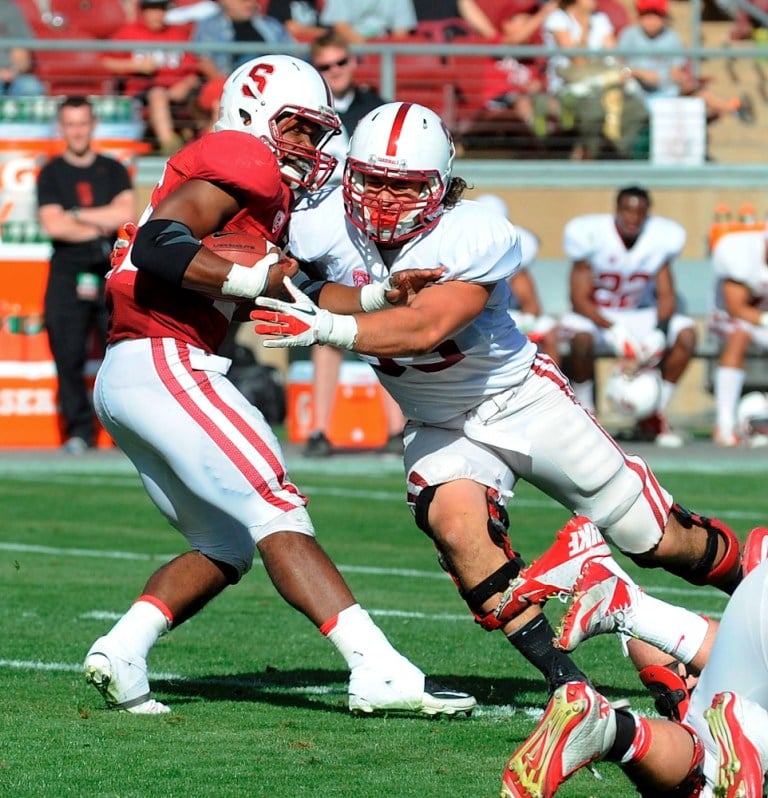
x=397, y=129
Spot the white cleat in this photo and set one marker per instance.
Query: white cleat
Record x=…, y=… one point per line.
x=577, y=727
x=121, y=680
x=371, y=692
x=739, y=728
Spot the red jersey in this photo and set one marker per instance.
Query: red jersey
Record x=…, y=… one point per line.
x=172, y=65
x=144, y=306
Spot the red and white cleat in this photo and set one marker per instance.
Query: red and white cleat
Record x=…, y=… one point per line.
x=578, y=727
x=604, y=600
x=557, y=570
x=740, y=730
x=755, y=549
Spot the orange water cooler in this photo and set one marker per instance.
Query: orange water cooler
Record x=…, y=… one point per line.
x=358, y=418
x=28, y=410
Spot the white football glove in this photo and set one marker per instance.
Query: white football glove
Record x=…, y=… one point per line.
x=302, y=322
x=652, y=349
x=249, y=281
x=623, y=342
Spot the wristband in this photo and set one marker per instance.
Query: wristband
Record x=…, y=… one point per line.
x=249, y=281
x=342, y=332
x=663, y=325
x=764, y=319
x=374, y=296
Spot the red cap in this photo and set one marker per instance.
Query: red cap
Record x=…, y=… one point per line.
x=660, y=7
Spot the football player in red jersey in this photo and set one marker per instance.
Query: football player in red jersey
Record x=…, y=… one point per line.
x=206, y=456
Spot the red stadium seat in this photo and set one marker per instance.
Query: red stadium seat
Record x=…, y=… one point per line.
x=73, y=19
x=616, y=12
x=72, y=71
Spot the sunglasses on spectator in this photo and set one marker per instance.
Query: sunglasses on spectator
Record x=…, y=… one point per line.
x=326, y=67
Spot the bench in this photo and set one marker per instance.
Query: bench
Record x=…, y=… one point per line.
x=694, y=281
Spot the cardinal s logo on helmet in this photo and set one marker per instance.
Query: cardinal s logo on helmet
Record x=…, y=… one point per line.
x=265, y=91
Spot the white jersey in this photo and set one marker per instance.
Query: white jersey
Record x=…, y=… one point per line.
x=740, y=256
x=488, y=356
x=620, y=276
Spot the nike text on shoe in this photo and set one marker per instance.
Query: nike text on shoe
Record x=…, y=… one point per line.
x=603, y=602
x=755, y=549
x=370, y=693
x=121, y=680
x=556, y=571
x=578, y=727
x=740, y=730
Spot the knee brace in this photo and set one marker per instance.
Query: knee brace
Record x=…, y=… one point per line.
x=693, y=784
x=705, y=572
x=668, y=689
x=500, y=581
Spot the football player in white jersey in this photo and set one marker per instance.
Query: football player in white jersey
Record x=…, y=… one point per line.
x=206, y=456
x=740, y=318
x=620, y=263
x=484, y=408
x=525, y=305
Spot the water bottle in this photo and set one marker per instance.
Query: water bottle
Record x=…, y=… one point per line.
x=721, y=224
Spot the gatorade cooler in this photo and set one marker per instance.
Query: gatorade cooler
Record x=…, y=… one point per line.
x=358, y=418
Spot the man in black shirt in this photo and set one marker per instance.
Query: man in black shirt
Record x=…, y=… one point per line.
x=83, y=198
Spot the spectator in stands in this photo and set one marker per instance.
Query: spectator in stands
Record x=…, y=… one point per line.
x=604, y=107
x=301, y=18
x=358, y=20
x=620, y=261
x=525, y=306
x=164, y=80
x=741, y=319
x=16, y=63
x=237, y=21
x=83, y=198
x=189, y=12
x=519, y=85
x=662, y=70
x=331, y=56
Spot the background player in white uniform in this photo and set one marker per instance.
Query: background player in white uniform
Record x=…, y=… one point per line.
x=621, y=262
x=525, y=304
x=206, y=456
x=484, y=408
x=740, y=317
x=720, y=739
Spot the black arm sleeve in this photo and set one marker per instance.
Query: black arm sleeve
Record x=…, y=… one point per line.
x=164, y=248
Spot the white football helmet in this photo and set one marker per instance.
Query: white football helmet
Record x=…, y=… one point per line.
x=634, y=394
x=271, y=88
x=752, y=418
x=402, y=142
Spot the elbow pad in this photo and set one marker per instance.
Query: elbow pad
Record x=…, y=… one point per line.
x=164, y=248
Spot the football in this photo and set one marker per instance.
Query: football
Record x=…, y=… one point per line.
x=243, y=248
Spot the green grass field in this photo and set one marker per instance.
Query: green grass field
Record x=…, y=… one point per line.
x=259, y=697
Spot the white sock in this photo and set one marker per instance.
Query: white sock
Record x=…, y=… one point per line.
x=138, y=630
x=359, y=640
x=584, y=393
x=728, y=384
x=667, y=389
x=675, y=630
